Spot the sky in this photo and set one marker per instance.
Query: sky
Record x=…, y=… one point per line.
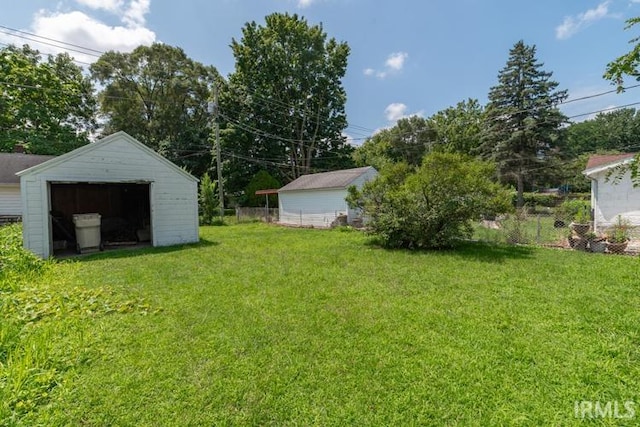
x=408, y=57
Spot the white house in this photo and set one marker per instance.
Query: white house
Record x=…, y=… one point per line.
x=318, y=199
x=10, y=163
x=612, y=195
x=138, y=193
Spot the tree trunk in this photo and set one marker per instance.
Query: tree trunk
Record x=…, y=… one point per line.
x=520, y=200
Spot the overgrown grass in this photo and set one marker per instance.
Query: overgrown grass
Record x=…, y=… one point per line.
x=263, y=325
x=41, y=331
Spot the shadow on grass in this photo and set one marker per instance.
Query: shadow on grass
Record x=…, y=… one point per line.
x=149, y=250
x=480, y=251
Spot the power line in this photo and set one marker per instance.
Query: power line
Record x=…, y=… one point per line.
x=13, y=31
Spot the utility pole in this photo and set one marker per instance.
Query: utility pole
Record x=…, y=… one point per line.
x=214, y=110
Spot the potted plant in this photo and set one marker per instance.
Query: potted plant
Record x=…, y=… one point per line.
x=580, y=224
x=618, y=236
x=597, y=243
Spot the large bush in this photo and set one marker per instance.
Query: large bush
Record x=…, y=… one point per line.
x=432, y=206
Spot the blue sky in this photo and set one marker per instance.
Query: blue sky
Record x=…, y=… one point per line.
x=407, y=57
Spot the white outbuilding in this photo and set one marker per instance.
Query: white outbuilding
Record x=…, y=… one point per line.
x=139, y=195
x=612, y=195
x=318, y=199
x=10, y=164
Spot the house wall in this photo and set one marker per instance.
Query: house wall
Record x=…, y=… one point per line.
x=316, y=208
x=173, y=195
x=10, y=203
x=611, y=199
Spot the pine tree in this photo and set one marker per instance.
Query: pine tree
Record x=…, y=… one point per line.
x=524, y=125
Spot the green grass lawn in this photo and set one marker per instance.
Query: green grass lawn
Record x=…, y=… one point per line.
x=261, y=325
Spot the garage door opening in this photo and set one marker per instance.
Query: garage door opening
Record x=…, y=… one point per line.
x=124, y=208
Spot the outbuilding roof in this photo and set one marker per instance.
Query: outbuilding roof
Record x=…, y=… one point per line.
x=601, y=162
x=102, y=142
x=10, y=163
x=335, y=179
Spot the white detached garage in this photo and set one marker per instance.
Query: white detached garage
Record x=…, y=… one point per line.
x=138, y=193
x=318, y=199
x=612, y=197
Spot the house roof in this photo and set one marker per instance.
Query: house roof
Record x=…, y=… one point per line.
x=336, y=179
x=601, y=162
x=11, y=163
x=104, y=141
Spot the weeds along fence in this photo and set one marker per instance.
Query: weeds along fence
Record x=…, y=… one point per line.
x=257, y=214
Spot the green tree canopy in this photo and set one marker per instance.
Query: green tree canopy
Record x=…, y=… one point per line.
x=261, y=181
x=407, y=142
x=524, y=125
x=627, y=64
x=286, y=104
x=47, y=104
x=458, y=129
x=159, y=96
x=611, y=131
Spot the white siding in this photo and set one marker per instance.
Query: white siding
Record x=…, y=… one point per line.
x=10, y=203
x=316, y=208
x=173, y=195
x=612, y=199
x=319, y=207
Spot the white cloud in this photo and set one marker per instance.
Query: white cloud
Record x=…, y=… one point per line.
x=81, y=29
x=395, y=61
x=109, y=5
x=395, y=111
x=573, y=24
x=304, y=3
x=134, y=14
x=393, y=64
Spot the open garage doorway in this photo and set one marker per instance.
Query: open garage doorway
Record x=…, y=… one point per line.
x=124, y=209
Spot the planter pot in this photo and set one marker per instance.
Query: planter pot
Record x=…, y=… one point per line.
x=580, y=244
x=598, y=246
x=617, y=247
x=580, y=229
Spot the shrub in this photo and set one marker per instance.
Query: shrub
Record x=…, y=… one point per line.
x=433, y=206
x=575, y=209
x=208, y=200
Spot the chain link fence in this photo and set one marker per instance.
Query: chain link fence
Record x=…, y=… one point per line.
x=257, y=214
x=555, y=228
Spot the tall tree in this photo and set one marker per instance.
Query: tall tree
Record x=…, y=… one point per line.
x=458, y=129
x=524, y=125
x=47, y=104
x=407, y=142
x=286, y=104
x=159, y=96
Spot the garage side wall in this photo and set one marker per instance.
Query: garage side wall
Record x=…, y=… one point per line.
x=35, y=232
x=611, y=200
x=317, y=208
x=173, y=198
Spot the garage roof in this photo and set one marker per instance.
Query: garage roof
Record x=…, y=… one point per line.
x=336, y=179
x=10, y=163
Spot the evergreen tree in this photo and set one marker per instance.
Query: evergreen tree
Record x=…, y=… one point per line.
x=524, y=125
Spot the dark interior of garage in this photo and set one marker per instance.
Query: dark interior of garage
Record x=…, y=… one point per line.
x=124, y=210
